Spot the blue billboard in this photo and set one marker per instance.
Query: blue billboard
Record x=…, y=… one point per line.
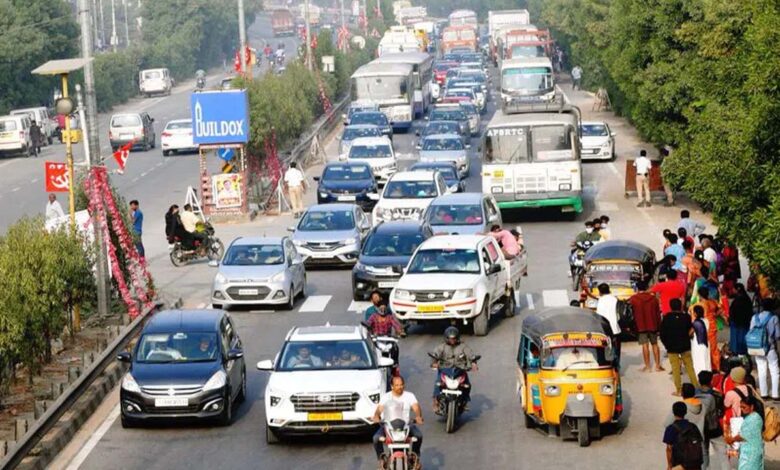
x=220, y=117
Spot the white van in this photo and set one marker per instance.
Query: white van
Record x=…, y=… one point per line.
x=15, y=135
x=155, y=81
x=40, y=114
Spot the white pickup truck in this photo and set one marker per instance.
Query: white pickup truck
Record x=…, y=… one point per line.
x=459, y=277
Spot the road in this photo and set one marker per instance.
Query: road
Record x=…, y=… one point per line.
x=491, y=434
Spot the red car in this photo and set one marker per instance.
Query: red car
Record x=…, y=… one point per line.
x=440, y=71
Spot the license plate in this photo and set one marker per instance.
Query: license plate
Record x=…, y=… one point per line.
x=321, y=255
x=430, y=308
x=346, y=198
x=248, y=292
x=387, y=284
x=498, y=173
x=326, y=416
x=126, y=136
x=170, y=402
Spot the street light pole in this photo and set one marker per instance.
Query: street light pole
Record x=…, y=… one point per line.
x=343, y=25
x=309, y=63
x=127, y=24
x=245, y=68
x=103, y=24
x=114, y=38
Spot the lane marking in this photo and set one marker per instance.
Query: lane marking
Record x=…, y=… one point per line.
x=614, y=169
x=15, y=189
x=555, y=298
x=6, y=163
x=315, y=303
x=606, y=206
x=94, y=440
x=530, y=301
x=358, y=306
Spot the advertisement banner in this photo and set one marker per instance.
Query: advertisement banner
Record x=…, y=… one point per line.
x=227, y=190
x=220, y=117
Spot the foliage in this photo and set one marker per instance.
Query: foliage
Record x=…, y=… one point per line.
x=442, y=8
x=116, y=77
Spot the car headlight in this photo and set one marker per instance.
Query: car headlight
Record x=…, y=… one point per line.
x=360, y=266
x=374, y=397
x=323, y=194
x=606, y=144
x=129, y=384
x=386, y=213
x=216, y=381
x=298, y=242
x=220, y=278
x=278, y=277
x=404, y=294
x=552, y=390
x=607, y=389
x=350, y=241
x=591, y=302
x=462, y=294
x=275, y=400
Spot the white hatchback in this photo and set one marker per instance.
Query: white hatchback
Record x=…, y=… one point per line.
x=598, y=141
x=177, y=137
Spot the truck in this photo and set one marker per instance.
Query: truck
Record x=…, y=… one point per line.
x=500, y=20
x=399, y=39
x=411, y=15
x=461, y=278
x=462, y=37
x=463, y=17
x=526, y=42
x=282, y=23
x=314, y=14
x=399, y=5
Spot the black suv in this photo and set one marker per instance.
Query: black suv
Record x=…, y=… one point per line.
x=186, y=364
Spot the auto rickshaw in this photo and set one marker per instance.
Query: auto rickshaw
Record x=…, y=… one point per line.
x=620, y=264
x=566, y=374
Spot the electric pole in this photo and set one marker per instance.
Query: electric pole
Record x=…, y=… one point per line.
x=93, y=143
x=245, y=67
x=344, y=44
x=127, y=24
x=103, y=24
x=114, y=38
x=309, y=62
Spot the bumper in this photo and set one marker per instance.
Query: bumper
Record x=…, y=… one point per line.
x=12, y=147
x=363, y=283
x=138, y=142
x=405, y=125
x=598, y=153
x=362, y=200
x=141, y=406
x=346, y=255
x=285, y=420
x=274, y=293
x=572, y=202
x=457, y=309
x=178, y=145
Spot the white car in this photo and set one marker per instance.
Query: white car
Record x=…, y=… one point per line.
x=325, y=379
x=407, y=194
x=177, y=137
x=598, y=141
x=15, y=135
x=378, y=153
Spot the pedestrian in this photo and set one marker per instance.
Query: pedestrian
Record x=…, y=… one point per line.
x=669, y=290
x=604, y=231
x=643, y=166
x=730, y=268
x=677, y=250
x=699, y=342
x=711, y=311
x=171, y=223
x=696, y=412
x=692, y=227
x=676, y=332
x=53, y=208
x=36, y=137
x=296, y=186
x=682, y=237
x=712, y=401
x=667, y=187
x=666, y=234
x=576, y=78
x=740, y=314
x=607, y=308
x=647, y=317
x=138, y=223
x=767, y=362
x=750, y=435
x=684, y=442
x=737, y=381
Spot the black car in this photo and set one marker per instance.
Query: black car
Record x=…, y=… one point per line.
x=443, y=127
x=448, y=171
x=386, y=252
x=186, y=364
x=376, y=118
x=451, y=112
x=347, y=182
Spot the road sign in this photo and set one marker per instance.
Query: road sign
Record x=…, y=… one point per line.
x=220, y=117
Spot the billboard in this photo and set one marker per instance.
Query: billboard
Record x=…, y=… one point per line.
x=220, y=117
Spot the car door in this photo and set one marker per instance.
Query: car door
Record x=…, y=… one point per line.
x=492, y=214
x=232, y=366
x=496, y=285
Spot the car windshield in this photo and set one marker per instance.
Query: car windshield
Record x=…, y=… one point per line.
x=442, y=144
x=448, y=115
x=410, y=190
x=614, y=274
x=392, y=244
x=352, y=133
x=447, y=171
x=573, y=358
x=377, y=119
x=346, y=173
x=254, y=255
x=453, y=56
x=451, y=214
x=470, y=108
x=321, y=221
x=126, y=120
x=473, y=75
x=380, y=88
x=181, y=346
x=594, y=130
x=179, y=125
x=443, y=66
x=325, y=355
x=551, y=143
x=440, y=127
x=152, y=74
x=527, y=78
x=6, y=126
x=451, y=261
x=370, y=151
x=462, y=93
x=449, y=36
x=527, y=51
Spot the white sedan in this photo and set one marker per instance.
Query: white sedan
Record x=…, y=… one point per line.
x=598, y=141
x=177, y=137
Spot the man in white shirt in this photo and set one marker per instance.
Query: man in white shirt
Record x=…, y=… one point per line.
x=607, y=308
x=296, y=185
x=398, y=404
x=709, y=253
x=576, y=77
x=189, y=221
x=53, y=208
x=643, y=166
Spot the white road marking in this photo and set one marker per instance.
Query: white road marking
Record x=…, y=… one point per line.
x=143, y=175
x=94, y=440
x=606, y=206
x=358, y=306
x=614, y=169
x=315, y=303
x=15, y=189
x=159, y=164
x=555, y=298
x=530, y=301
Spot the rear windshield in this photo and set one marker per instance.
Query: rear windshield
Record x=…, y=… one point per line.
x=370, y=151
x=153, y=74
x=126, y=120
x=448, y=115
x=354, y=133
x=179, y=125
x=6, y=126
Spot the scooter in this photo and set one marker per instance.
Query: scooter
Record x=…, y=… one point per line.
x=211, y=247
x=397, y=440
x=577, y=262
x=452, y=388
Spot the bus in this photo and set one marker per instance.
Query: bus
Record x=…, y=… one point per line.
x=399, y=39
x=389, y=86
x=527, y=79
x=531, y=156
x=422, y=70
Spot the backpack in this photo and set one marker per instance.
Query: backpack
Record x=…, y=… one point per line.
x=771, y=427
x=687, y=451
x=757, y=338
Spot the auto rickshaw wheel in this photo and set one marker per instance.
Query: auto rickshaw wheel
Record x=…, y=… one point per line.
x=583, y=432
x=528, y=421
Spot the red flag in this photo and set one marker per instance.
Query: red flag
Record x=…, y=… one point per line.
x=56, y=177
x=314, y=42
x=237, y=62
x=121, y=155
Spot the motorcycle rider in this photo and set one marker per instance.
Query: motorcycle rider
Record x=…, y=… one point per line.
x=405, y=402
x=190, y=222
x=588, y=235
x=452, y=353
x=200, y=78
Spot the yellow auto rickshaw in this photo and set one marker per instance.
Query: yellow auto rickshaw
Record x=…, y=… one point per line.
x=620, y=264
x=566, y=374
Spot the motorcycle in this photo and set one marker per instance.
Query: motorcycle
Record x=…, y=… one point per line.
x=452, y=385
x=388, y=347
x=201, y=83
x=397, y=441
x=210, y=247
x=577, y=262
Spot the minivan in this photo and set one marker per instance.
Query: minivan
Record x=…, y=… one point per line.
x=40, y=114
x=132, y=127
x=15, y=135
x=155, y=81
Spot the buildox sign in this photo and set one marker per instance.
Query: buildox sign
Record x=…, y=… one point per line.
x=220, y=117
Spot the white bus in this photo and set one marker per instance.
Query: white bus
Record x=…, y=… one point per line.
x=531, y=157
x=422, y=69
x=389, y=86
x=528, y=79
x=399, y=39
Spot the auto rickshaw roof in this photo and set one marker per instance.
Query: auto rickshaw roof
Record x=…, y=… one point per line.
x=620, y=249
x=564, y=320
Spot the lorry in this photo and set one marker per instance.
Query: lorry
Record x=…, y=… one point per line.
x=411, y=15
x=461, y=278
x=526, y=42
x=500, y=20
x=282, y=23
x=314, y=14
x=462, y=37
x=463, y=17
x=399, y=39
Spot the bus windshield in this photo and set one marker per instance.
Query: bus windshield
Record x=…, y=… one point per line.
x=381, y=88
x=549, y=143
x=527, y=78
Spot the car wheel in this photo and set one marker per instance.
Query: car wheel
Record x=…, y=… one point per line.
x=166, y=153
x=226, y=417
x=356, y=295
x=154, y=141
x=481, y=321
x=128, y=423
x=145, y=146
x=509, y=305
x=242, y=393
x=50, y=140
x=270, y=436
x=290, y=299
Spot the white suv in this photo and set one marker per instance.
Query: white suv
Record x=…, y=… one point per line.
x=407, y=194
x=325, y=379
x=377, y=152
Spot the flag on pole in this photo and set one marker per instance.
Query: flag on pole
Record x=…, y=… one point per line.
x=122, y=153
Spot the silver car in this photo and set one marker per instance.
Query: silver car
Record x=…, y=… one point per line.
x=445, y=148
x=463, y=214
x=331, y=234
x=353, y=132
x=259, y=270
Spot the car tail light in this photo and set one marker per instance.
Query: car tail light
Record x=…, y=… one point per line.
x=166, y=134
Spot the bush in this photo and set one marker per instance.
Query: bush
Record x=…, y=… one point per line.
x=116, y=77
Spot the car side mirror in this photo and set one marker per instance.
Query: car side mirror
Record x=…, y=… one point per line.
x=316, y=178
x=344, y=117
x=342, y=158
x=426, y=118
x=213, y=263
x=151, y=119
x=418, y=147
x=234, y=354
x=125, y=357
x=266, y=364
x=494, y=268
x=297, y=260
x=385, y=362
x=373, y=196
x=493, y=218
x=291, y=229
x=468, y=146
x=613, y=134
x=417, y=132
x=479, y=149
x=453, y=189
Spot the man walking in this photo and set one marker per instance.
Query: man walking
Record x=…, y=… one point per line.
x=138, y=222
x=676, y=333
x=36, y=136
x=647, y=316
x=669, y=290
x=296, y=185
x=643, y=166
x=576, y=77
x=680, y=438
x=767, y=320
x=53, y=208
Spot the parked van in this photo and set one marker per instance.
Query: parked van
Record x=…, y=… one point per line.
x=40, y=114
x=15, y=135
x=132, y=127
x=155, y=81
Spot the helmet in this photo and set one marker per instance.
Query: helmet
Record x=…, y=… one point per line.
x=451, y=332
